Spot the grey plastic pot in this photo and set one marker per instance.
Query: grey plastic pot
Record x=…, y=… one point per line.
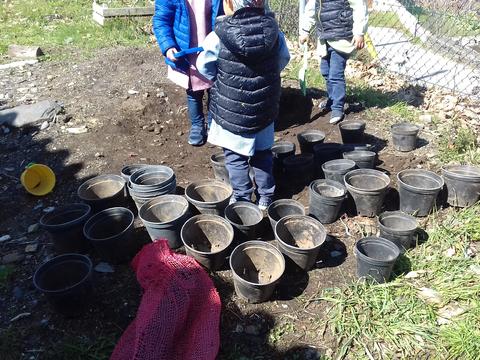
x=246, y=219
x=103, y=192
x=151, y=178
x=463, y=184
x=335, y=170
x=218, y=165
x=164, y=217
x=300, y=238
x=399, y=228
x=375, y=258
x=363, y=159
x=418, y=190
x=283, y=207
x=111, y=234
x=352, y=131
x=207, y=238
x=353, y=147
x=404, y=136
x=66, y=281
x=308, y=139
x=257, y=267
x=326, y=199
x=368, y=188
x=299, y=169
x=209, y=196
x=128, y=170
x=141, y=198
x=65, y=226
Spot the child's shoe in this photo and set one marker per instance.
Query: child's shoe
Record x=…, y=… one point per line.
x=198, y=135
x=325, y=106
x=336, y=117
x=264, y=203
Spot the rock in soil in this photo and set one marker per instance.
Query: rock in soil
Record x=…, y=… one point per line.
x=104, y=267
x=5, y=238
x=12, y=258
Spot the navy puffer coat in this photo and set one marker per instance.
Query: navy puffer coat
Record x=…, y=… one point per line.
x=246, y=94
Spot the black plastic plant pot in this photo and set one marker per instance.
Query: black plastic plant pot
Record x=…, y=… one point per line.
x=335, y=170
x=308, y=139
x=103, y=192
x=282, y=150
x=164, y=217
x=257, y=267
x=66, y=282
x=246, y=219
x=418, y=190
x=299, y=169
x=352, y=131
x=65, y=227
x=375, y=258
x=219, y=169
x=209, y=196
x=404, y=136
x=111, y=234
x=326, y=152
x=463, y=184
x=283, y=207
x=368, y=188
x=207, y=238
x=326, y=199
x=300, y=238
x=363, y=159
x=399, y=228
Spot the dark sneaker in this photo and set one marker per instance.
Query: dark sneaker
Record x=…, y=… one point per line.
x=325, y=106
x=263, y=203
x=198, y=135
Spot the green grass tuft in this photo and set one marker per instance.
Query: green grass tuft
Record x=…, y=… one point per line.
x=392, y=321
x=459, y=144
x=52, y=24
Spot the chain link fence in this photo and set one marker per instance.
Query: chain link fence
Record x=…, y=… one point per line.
x=429, y=42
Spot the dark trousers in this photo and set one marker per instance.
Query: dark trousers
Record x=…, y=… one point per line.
x=332, y=68
x=238, y=167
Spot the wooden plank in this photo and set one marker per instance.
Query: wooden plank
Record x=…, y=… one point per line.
x=24, y=52
x=138, y=11
x=98, y=18
x=126, y=11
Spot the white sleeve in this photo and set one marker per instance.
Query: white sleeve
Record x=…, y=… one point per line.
x=360, y=16
x=308, y=20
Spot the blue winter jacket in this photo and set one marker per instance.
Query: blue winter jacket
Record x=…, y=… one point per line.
x=171, y=23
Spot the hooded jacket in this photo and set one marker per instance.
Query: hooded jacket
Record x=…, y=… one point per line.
x=246, y=94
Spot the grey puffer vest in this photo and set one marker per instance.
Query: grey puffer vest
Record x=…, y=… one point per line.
x=335, y=20
x=246, y=94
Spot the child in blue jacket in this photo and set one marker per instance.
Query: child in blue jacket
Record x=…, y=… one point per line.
x=244, y=57
x=179, y=25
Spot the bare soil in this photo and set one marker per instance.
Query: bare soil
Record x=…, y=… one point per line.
x=151, y=127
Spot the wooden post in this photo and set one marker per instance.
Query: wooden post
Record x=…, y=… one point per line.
x=24, y=52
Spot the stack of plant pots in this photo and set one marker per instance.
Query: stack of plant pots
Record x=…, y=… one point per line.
x=152, y=181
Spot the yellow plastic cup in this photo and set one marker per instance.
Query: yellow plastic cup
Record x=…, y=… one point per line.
x=38, y=179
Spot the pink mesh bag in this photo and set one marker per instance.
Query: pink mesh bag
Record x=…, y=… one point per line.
x=179, y=315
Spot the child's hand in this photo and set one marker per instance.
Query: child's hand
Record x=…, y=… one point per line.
x=302, y=39
x=171, y=54
x=359, y=41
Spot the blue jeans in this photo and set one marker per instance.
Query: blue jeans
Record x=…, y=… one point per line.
x=238, y=167
x=195, y=107
x=332, y=68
